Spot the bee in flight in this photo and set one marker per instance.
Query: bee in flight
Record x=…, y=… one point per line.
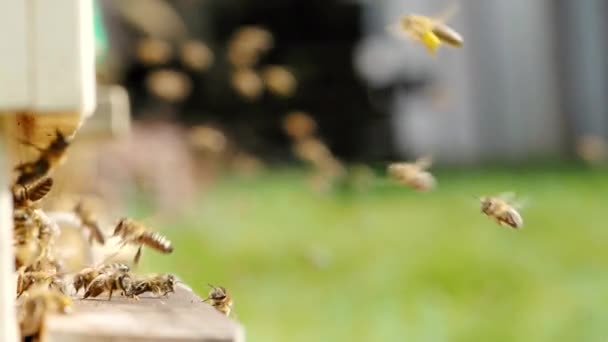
x=429, y=31
x=220, y=299
x=135, y=233
x=89, y=222
x=414, y=174
x=502, y=209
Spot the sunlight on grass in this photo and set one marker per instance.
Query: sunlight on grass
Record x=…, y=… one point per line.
x=392, y=264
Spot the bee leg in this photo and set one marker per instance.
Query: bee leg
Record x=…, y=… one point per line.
x=137, y=255
x=110, y=295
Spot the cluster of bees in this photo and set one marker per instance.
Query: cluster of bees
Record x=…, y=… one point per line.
x=168, y=84
x=301, y=128
x=432, y=32
x=42, y=283
x=244, y=51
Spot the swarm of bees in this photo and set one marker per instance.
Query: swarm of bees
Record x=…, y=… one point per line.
x=43, y=286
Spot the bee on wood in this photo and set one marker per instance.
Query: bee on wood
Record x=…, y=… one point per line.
x=89, y=221
x=25, y=238
x=502, y=210
x=25, y=195
x=160, y=285
x=429, y=31
x=220, y=299
x=84, y=278
x=50, y=157
x=47, y=231
x=414, y=174
x=39, y=302
x=135, y=233
x=34, y=235
x=109, y=282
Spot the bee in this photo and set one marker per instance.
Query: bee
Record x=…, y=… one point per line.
x=25, y=195
x=39, y=302
x=28, y=279
x=429, y=31
x=220, y=299
x=161, y=284
x=47, y=231
x=110, y=281
x=34, y=236
x=502, y=211
x=135, y=233
x=279, y=80
x=49, y=157
x=25, y=238
x=414, y=174
x=89, y=221
x=84, y=278
x=299, y=125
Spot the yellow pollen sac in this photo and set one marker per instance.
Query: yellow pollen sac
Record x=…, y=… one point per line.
x=431, y=41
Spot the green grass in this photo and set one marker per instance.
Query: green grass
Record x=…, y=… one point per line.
x=391, y=264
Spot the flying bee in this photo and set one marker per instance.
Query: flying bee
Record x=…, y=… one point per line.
x=84, y=278
x=39, y=302
x=135, y=233
x=429, y=31
x=50, y=157
x=89, y=221
x=24, y=195
x=220, y=299
x=414, y=174
x=160, y=285
x=110, y=282
x=501, y=210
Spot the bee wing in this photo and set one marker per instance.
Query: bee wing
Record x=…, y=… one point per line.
x=396, y=30
x=447, y=13
x=521, y=203
x=424, y=162
x=508, y=196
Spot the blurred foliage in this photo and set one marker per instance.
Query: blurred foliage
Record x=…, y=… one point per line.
x=392, y=264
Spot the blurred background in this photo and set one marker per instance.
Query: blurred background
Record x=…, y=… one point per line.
x=256, y=135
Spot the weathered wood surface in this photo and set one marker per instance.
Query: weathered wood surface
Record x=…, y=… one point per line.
x=180, y=317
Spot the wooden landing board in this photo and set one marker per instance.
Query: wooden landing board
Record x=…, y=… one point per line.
x=180, y=317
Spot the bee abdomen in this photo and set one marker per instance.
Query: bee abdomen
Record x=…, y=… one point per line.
x=447, y=35
x=513, y=219
x=157, y=241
